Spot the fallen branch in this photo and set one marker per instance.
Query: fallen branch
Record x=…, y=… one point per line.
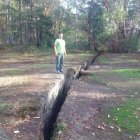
x=84, y=73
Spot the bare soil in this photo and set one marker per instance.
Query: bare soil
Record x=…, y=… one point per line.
x=85, y=111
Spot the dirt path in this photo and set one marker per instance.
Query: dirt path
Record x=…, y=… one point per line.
x=85, y=112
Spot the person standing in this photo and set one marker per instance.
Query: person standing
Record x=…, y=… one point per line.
x=60, y=51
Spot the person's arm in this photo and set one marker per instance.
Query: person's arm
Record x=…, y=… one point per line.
x=55, y=50
x=65, y=50
x=55, y=47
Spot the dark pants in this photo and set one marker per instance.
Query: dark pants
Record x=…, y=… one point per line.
x=59, y=62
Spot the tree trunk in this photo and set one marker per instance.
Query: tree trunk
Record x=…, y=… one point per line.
x=20, y=21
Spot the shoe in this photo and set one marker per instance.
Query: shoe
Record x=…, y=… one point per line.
x=58, y=72
x=61, y=71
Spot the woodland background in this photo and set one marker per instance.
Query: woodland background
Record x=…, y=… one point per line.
x=108, y=25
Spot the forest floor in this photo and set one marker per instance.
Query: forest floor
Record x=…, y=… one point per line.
x=87, y=113
x=104, y=105
x=24, y=78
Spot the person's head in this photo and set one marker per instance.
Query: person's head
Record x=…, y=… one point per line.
x=61, y=35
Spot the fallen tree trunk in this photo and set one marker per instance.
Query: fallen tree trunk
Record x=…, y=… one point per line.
x=89, y=62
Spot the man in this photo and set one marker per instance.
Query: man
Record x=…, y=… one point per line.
x=60, y=51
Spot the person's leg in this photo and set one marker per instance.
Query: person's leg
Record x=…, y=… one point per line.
x=61, y=62
x=58, y=62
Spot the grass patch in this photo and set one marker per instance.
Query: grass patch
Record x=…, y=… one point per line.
x=4, y=108
x=61, y=126
x=127, y=116
x=85, y=54
x=104, y=59
x=129, y=73
x=42, y=65
x=99, y=78
x=24, y=111
x=14, y=72
x=29, y=109
x=95, y=77
x=126, y=73
x=79, y=55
